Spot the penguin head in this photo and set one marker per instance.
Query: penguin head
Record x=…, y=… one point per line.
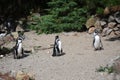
x=57, y=37
x=95, y=32
x=19, y=39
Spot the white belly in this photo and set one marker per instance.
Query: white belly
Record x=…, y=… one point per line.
x=19, y=48
x=59, y=45
x=97, y=43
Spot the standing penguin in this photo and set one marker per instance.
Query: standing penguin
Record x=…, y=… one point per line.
x=18, y=49
x=97, y=43
x=57, y=50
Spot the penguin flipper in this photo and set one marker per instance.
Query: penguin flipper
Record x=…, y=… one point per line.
x=93, y=42
x=101, y=45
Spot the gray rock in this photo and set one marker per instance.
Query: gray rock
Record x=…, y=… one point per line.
x=106, y=31
x=2, y=79
x=111, y=18
x=98, y=24
x=111, y=25
x=103, y=23
x=117, y=17
x=19, y=28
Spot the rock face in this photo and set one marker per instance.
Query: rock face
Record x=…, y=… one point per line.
x=109, y=22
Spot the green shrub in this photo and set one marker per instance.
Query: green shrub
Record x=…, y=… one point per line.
x=63, y=16
x=105, y=69
x=99, y=10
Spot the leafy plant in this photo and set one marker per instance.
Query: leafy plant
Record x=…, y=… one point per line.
x=99, y=10
x=105, y=69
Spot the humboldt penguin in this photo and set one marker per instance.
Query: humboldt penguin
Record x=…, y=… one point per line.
x=57, y=49
x=97, y=43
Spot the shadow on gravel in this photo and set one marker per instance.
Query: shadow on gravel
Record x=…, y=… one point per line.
x=113, y=39
x=26, y=54
x=63, y=53
x=4, y=51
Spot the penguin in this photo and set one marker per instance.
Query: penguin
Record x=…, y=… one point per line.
x=18, y=49
x=57, y=49
x=97, y=43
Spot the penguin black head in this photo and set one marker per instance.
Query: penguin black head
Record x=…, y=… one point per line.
x=96, y=31
x=57, y=37
x=20, y=38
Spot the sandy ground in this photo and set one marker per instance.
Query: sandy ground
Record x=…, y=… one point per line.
x=79, y=62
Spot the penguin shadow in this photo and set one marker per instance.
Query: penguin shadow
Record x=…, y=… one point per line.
x=25, y=54
x=5, y=51
x=22, y=57
x=98, y=49
x=113, y=38
x=62, y=54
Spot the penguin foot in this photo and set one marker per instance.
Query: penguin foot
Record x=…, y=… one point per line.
x=101, y=48
x=95, y=49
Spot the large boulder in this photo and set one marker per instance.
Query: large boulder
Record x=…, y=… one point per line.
x=91, y=30
x=90, y=22
x=24, y=76
x=106, y=11
x=15, y=35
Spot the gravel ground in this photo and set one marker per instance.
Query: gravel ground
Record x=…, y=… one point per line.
x=79, y=62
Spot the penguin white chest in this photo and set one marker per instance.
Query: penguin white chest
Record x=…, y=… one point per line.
x=19, y=48
x=59, y=45
x=97, y=42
